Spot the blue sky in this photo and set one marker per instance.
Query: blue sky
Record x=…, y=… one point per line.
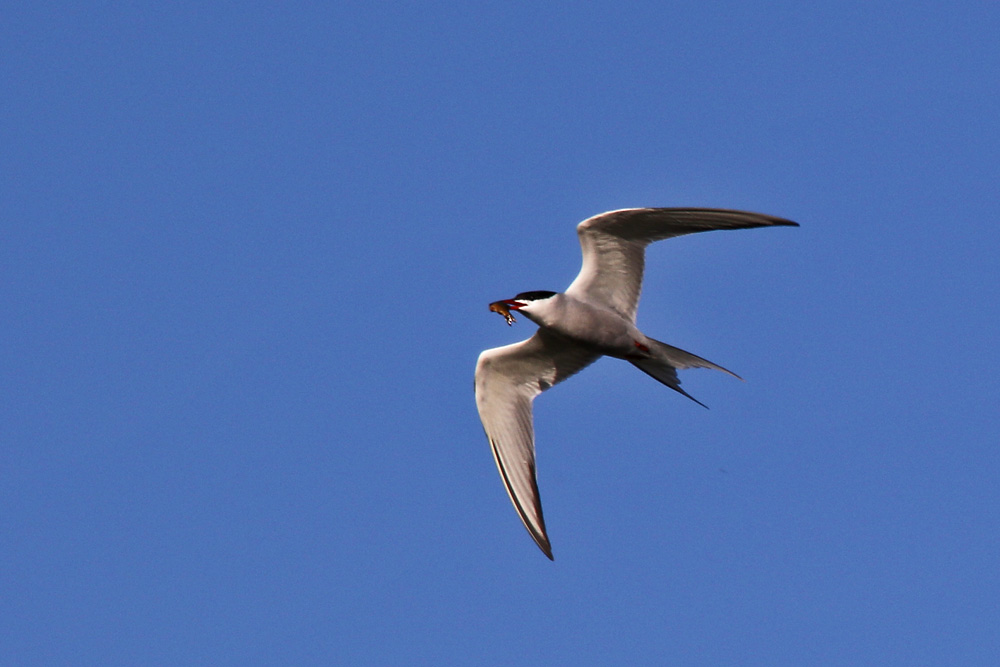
x=246, y=252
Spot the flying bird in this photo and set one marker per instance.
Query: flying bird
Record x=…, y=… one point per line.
x=594, y=317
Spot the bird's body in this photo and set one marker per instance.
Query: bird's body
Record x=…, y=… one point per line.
x=595, y=317
x=587, y=323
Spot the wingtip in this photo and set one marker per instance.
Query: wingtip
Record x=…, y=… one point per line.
x=542, y=540
x=537, y=532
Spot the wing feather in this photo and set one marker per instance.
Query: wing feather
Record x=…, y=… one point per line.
x=507, y=381
x=614, y=247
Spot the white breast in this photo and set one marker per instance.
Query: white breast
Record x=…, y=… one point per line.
x=595, y=326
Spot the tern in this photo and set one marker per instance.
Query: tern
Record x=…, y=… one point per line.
x=594, y=317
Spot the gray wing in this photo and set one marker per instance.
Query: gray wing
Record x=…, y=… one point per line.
x=614, y=246
x=507, y=381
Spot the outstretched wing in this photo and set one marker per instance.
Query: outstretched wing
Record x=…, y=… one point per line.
x=614, y=246
x=507, y=381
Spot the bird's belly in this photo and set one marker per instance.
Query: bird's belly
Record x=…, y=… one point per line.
x=603, y=331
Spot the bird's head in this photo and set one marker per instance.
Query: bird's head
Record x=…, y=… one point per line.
x=525, y=302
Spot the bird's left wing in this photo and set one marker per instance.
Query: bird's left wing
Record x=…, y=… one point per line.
x=614, y=247
x=507, y=381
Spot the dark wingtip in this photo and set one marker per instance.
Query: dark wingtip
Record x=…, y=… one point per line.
x=543, y=544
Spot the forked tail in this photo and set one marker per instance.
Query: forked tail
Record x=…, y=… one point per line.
x=666, y=359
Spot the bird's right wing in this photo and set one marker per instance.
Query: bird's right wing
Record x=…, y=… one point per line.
x=614, y=247
x=507, y=381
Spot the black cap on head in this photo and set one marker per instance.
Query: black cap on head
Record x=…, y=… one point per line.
x=535, y=295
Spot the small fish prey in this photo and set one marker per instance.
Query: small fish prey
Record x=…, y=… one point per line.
x=503, y=309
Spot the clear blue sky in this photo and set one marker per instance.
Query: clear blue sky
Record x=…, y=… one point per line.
x=246, y=252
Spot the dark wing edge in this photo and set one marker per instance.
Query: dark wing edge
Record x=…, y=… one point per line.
x=646, y=225
x=537, y=533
